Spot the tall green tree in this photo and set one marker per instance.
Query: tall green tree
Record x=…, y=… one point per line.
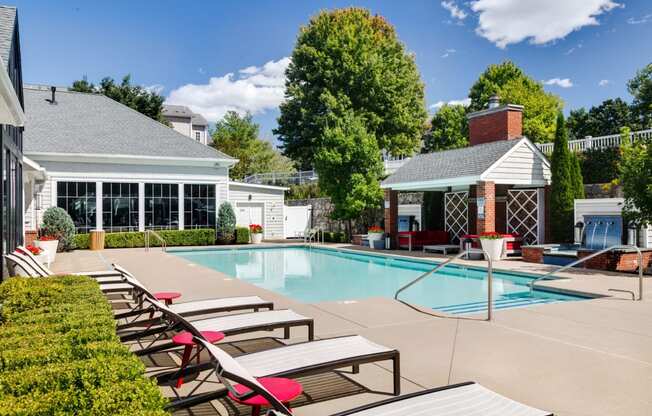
x=351, y=54
x=636, y=180
x=513, y=86
x=144, y=101
x=238, y=136
x=607, y=118
x=641, y=89
x=576, y=176
x=563, y=187
x=449, y=129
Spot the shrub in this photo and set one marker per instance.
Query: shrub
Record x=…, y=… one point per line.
x=198, y=237
x=59, y=353
x=600, y=165
x=225, y=223
x=242, y=235
x=57, y=223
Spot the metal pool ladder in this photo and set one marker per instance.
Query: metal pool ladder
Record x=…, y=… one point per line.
x=452, y=259
x=549, y=275
x=149, y=234
x=312, y=235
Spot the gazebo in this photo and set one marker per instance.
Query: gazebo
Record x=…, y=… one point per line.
x=500, y=183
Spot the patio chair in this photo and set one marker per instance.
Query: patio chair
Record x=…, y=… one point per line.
x=468, y=399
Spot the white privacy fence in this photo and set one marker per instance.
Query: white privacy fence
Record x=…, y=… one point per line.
x=601, y=142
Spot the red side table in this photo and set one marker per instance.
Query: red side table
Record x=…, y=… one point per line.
x=284, y=389
x=185, y=338
x=167, y=297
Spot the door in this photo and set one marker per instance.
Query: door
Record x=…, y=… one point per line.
x=297, y=220
x=249, y=213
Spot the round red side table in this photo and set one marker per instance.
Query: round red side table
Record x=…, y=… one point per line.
x=185, y=338
x=284, y=389
x=167, y=297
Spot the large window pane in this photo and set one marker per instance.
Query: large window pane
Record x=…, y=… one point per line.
x=120, y=207
x=199, y=206
x=162, y=206
x=78, y=199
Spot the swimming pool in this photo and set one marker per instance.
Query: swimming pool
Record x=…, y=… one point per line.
x=320, y=274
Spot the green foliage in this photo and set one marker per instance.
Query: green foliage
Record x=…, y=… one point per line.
x=576, y=176
x=356, y=59
x=600, y=165
x=513, y=86
x=237, y=136
x=304, y=191
x=144, y=101
x=636, y=180
x=449, y=129
x=640, y=87
x=59, y=353
x=335, y=237
x=197, y=237
x=225, y=223
x=607, y=118
x=242, y=235
x=57, y=222
x=563, y=187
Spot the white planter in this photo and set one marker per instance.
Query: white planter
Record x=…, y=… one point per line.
x=375, y=236
x=43, y=258
x=493, y=247
x=256, y=238
x=49, y=248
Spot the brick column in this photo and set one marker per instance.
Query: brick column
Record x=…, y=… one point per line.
x=391, y=215
x=486, y=189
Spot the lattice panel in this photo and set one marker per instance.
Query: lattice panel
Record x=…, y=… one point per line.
x=456, y=216
x=522, y=214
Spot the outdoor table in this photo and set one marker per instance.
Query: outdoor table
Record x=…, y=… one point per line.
x=185, y=338
x=284, y=389
x=441, y=247
x=167, y=297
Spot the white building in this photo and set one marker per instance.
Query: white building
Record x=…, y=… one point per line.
x=186, y=122
x=115, y=169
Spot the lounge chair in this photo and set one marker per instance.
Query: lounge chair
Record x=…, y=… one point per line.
x=101, y=276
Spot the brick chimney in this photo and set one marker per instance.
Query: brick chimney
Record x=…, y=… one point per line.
x=498, y=122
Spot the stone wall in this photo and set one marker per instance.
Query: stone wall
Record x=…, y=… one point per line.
x=602, y=190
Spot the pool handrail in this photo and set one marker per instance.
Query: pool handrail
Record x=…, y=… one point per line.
x=549, y=275
x=450, y=260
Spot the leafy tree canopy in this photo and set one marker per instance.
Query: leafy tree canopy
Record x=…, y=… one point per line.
x=449, y=129
x=237, y=136
x=513, y=86
x=607, y=118
x=140, y=99
x=350, y=54
x=636, y=180
x=641, y=89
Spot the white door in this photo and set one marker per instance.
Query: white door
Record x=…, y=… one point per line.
x=249, y=213
x=297, y=220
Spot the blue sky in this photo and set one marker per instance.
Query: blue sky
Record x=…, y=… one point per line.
x=585, y=49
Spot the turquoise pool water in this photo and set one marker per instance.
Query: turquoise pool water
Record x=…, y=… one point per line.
x=317, y=274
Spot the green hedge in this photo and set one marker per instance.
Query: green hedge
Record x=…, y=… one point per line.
x=600, y=165
x=199, y=237
x=335, y=237
x=59, y=353
x=242, y=235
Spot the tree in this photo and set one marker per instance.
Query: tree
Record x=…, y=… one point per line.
x=563, y=187
x=513, y=86
x=449, y=129
x=636, y=181
x=226, y=223
x=641, y=89
x=237, y=136
x=576, y=175
x=140, y=99
x=607, y=118
x=351, y=54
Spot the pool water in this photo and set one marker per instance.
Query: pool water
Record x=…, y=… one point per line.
x=318, y=274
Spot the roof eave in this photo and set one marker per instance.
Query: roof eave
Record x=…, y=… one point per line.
x=130, y=159
x=11, y=112
x=430, y=184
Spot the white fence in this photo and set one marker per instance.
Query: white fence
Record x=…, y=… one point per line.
x=612, y=140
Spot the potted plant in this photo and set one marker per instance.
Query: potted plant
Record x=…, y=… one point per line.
x=493, y=244
x=256, y=231
x=48, y=244
x=39, y=253
x=375, y=233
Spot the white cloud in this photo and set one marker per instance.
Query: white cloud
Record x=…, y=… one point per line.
x=448, y=52
x=156, y=88
x=504, y=22
x=439, y=104
x=645, y=19
x=560, y=82
x=604, y=82
x=255, y=90
x=454, y=10
x=574, y=48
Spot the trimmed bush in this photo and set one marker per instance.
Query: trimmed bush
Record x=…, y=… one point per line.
x=600, y=165
x=198, y=237
x=59, y=353
x=242, y=235
x=225, y=223
x=335, y=237
x=57, y=223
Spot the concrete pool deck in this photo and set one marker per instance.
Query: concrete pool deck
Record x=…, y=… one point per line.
x=591, y=357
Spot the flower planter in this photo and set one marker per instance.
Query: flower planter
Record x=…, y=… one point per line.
x=375, y=236
x=49, y=248
x=43, y=258
x=256, y=238
x=493, y=247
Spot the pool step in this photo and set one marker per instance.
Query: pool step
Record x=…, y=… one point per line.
x=508, y=303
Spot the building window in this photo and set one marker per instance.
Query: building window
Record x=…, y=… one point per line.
x=197, y=136
x=199, y=206
x=161, y=206
x=78, y=199
x=120, y=206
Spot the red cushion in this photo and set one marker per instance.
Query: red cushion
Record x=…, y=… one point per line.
x=185, y=337
x=284, y=389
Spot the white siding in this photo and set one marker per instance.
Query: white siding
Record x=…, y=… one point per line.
x=523, y=167
x=34, y=217
x=272, y=199
x=598, y=206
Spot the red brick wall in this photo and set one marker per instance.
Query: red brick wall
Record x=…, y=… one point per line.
x=501, y=125
x=487, y=189
x=391, y=215
x=616, y=261
x=30, y=236
x=532, y=254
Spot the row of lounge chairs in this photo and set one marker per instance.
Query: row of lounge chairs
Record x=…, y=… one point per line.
x=147, y=326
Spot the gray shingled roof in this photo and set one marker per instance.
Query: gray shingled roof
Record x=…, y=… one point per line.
x=83, y=123
x=7, y=25
x=199, y=120
x=456, y=163
x=172, y=110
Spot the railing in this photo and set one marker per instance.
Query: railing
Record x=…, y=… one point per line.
x=452, y=259
x=312, y=235
x=282, y=178
x=601, y=142
x=549, y=275
x=149, y=234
